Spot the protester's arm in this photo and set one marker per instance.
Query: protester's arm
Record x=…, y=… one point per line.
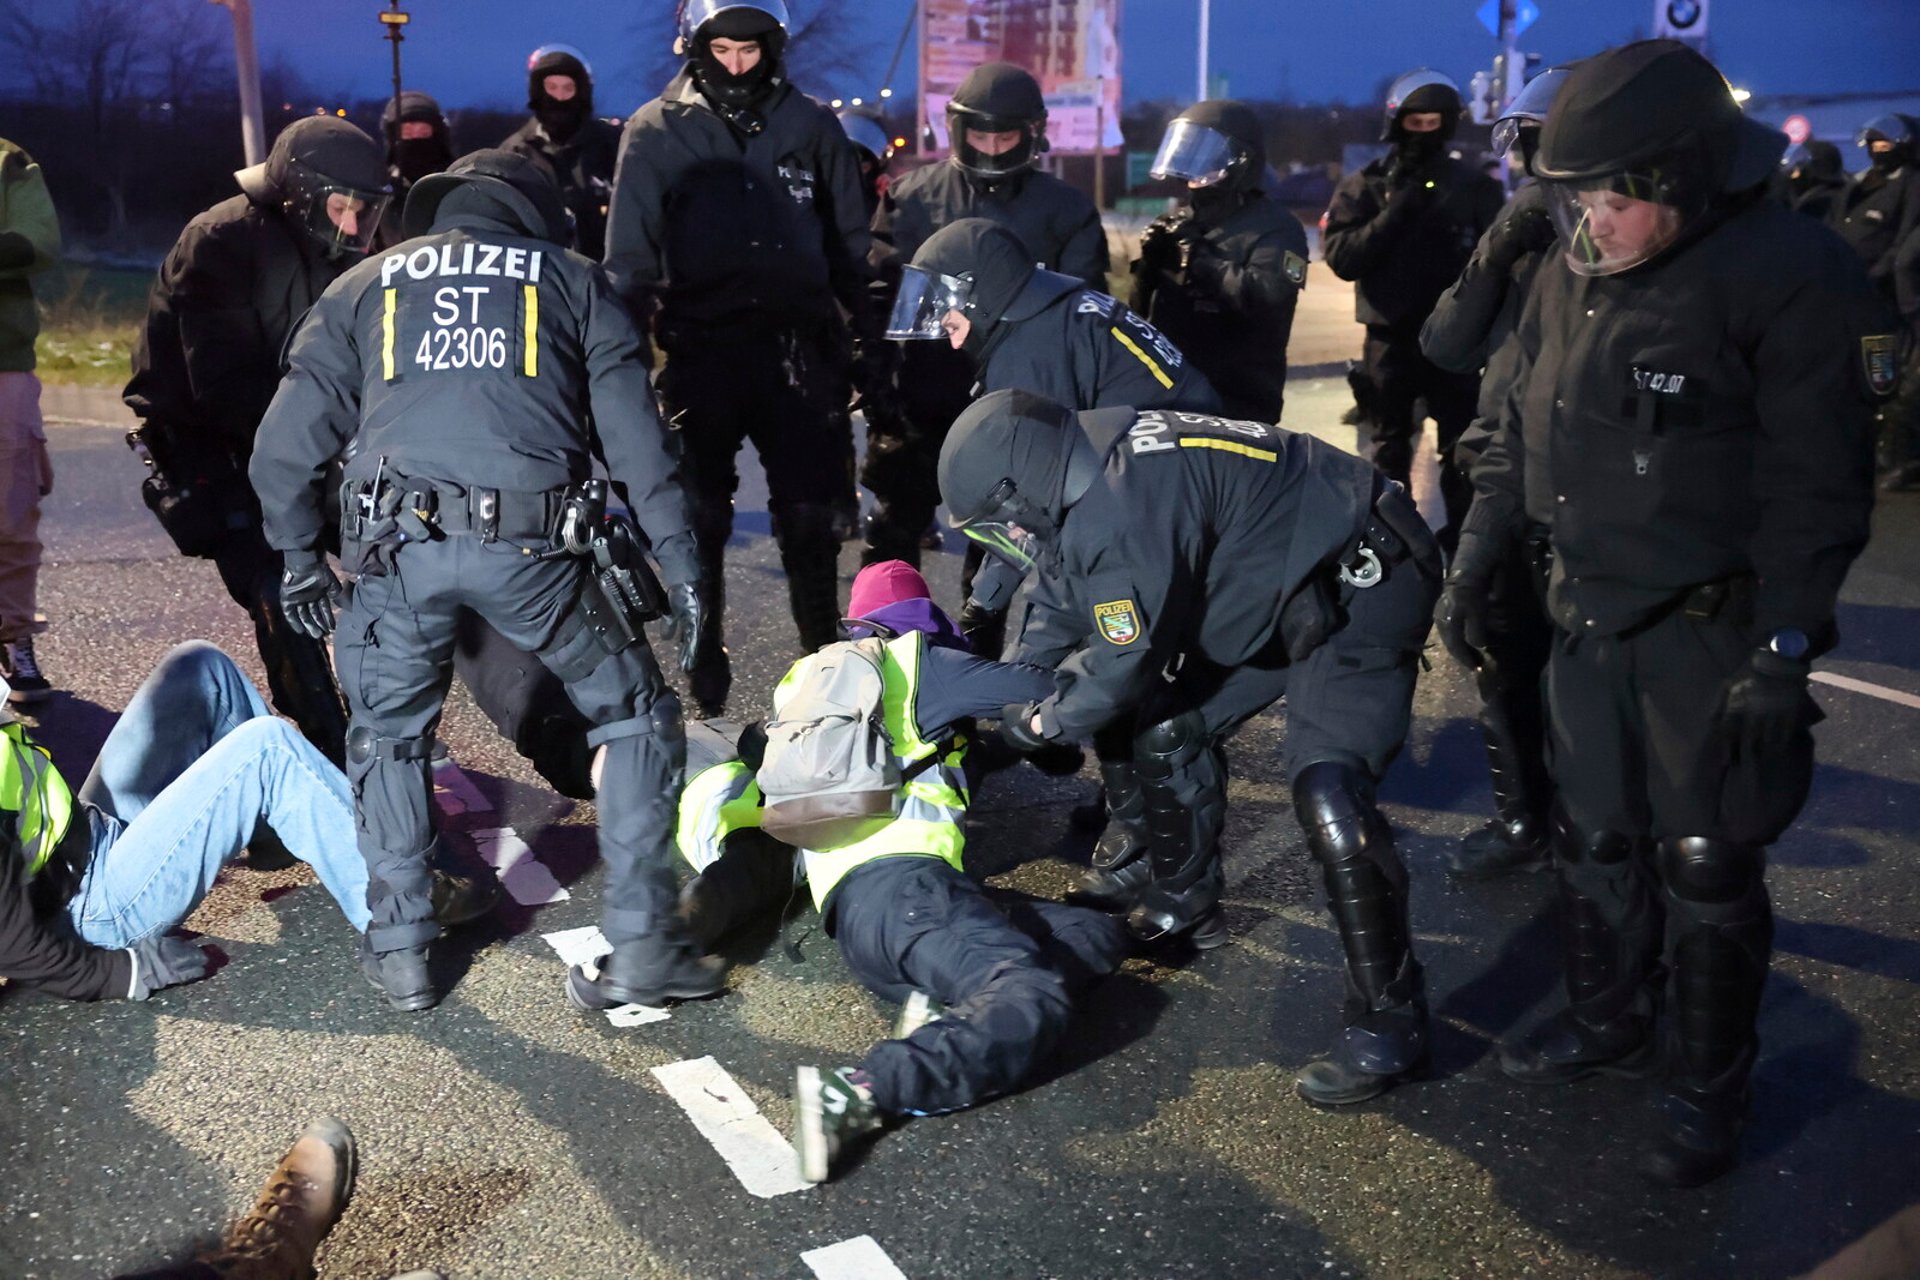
x=35, y=954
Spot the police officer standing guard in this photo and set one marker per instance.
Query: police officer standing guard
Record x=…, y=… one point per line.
x=737, y=214
x=1692, y=418
x=578, y=147
x=1402, y=230
x=483, y=369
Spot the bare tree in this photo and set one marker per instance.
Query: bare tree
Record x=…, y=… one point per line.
x=828, y=46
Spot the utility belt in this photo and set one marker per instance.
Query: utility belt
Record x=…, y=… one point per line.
x=1729, y=600
x=1394, y=534
x=392, y=509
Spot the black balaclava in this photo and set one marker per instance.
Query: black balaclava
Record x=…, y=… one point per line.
x=726, y=91
x=411, y=159
x=1236, y=122
x=1900, y=131
x=1418, y=92
x=561, y=120
x=998, y=263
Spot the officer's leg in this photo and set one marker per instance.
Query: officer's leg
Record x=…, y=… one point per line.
x=902, y=465
x=526, y=703
x=1513, y=723
x=704, y=402
x=1899, y=420
x=1392, y=359
x=793, y=428
x=1452, y=399
x=1349, y=706
x=1610, y=911
x=394, y=644
x=1121, y=868
x=300, y=676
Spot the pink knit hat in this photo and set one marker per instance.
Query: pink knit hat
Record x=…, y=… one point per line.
x=889, y=582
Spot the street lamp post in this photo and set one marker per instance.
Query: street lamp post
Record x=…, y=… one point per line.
x=1206, y=46
x=246, y=65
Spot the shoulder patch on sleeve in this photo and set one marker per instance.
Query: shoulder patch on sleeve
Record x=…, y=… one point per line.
x=1881, y=354
x=1295, y=267
x=1118, y=620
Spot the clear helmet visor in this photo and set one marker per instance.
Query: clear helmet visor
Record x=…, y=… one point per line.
x=1198, y=154
x=1613, y=224
x=697, y=13
x=545, y=51
x=922, y=304
x=1889, y=128
x=342, y=218
x=1005, y=540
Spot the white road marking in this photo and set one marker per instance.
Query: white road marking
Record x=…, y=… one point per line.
x=585, y=947
x=860, y=1258
x=1871, y=690
x=454, y=791
x=726, y=1117
x=525, y=876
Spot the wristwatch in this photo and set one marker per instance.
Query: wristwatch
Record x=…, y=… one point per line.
x=1788, y=642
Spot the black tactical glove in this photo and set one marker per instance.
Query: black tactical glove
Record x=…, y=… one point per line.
x=874, y=364
x=1522, y=231
x=308, y=589
x=1058, y=759
x=1461, y=616
x=1016, y=728
x=1767, y=703
x=1162, y=244
x=161, y=961
x=685, y=615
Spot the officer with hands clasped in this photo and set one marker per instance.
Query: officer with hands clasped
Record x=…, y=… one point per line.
x=1205, y=568
x=578, y=147
x=484, y=368
x=1692, y=419
x=1221, y=276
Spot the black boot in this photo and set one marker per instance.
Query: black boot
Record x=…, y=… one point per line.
x=1384, y=1040
x=712, y=680
x=662, y=966
x=985, y=629
x=400, y=976
x=1121, y=867
x=1184, y=783
x=1512, y=723
x=810, y=554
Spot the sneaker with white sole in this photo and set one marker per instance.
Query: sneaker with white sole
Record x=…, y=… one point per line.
x=917, y=1012
x=831, y=1109
x=25, y=684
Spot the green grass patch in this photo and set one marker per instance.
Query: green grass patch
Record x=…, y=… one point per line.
x=89, y=319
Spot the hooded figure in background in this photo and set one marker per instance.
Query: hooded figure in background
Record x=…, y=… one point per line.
x=418, y=143
x=1812, y=178
x=1221, y=275
x=578, y=148
x=207, y=362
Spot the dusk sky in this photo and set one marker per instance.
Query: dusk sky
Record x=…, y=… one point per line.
x=471, y=52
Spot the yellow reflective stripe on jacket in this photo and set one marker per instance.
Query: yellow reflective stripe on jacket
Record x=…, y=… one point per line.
x=715, y=803
x=34, y=795
x=530, y=334
x=932, y=804
x=387, y=325
x=1228, y=446
x=1153, y=366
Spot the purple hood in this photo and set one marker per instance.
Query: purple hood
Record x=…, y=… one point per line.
x=915, y=615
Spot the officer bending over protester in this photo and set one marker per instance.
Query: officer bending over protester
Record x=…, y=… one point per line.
x=483, y=369
x=1205, y=568
x=1692, y=418
x=195, y=770
x=989, y=992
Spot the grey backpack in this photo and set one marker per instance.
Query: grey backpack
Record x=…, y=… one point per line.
x=829, y=776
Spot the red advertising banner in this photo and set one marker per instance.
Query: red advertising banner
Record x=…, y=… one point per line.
x=1071, y=46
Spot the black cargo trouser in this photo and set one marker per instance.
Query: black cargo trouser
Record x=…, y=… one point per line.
x=1007, y=978
x=1402, y=378
x=394, y=649
x=903, y=457
x=1513, y=716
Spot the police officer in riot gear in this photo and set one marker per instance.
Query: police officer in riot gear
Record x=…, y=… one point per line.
x=738, y=215
x=1222, y=275
x=867, y=130
x=1692, y=419
x=208, y=359
x=1812, y=179
x=1402, y=230
x=578, y=147
x=483, y=369
x=996, y=122
x=1472, y=328
x=1268, y=564
x=1879, y=215
x=418, y=143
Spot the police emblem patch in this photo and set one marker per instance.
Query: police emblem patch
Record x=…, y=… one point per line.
x=1882, y=356
x=1295, y=268
x=1119, y=621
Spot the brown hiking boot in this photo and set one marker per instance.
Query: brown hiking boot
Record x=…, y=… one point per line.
x=301, y=1202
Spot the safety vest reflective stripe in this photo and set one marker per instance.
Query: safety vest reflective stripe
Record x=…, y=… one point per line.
x=716, y=803
x=34, y=795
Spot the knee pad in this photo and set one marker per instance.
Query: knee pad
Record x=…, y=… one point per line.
x=660, y=722
x=1161, y=749
x=1703, y=870
x=364, y=746
x=1574, y=847
x=1334, y=804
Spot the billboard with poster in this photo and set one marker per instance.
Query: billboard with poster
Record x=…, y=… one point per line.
x=1071, y=46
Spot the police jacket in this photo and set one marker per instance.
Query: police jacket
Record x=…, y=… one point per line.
x=29, y=242
x=584, y=165
x=1059, y=225
x=1705, y=417
x=1192, y=541
x=1088, y=351
x=476, y=355
x=1472, y=326
x=1403, y=239
x=1876, y=214
x=230, y=291
x=1231, y=310
x=726, y=230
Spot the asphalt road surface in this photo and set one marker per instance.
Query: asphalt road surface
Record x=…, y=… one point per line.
x=506, y=1135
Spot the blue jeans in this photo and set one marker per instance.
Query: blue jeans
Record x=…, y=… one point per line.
x=194, y=765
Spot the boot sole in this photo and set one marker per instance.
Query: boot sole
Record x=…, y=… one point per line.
x=809, y=1125
x=1637, y=1065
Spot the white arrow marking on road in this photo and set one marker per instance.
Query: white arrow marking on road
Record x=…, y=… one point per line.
x=860, y=1258
x=1871, y=690
x=454, y=791
x=526, y=878
x=585, y=947
x=727, y=1118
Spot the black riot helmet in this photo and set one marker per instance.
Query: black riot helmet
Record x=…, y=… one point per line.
x=1642, y=144
x=980, y=269
x=1896, y=134
x=328, y=178
x=1215, y=144
x=560, y=117
x=1011, y=467
x=503, y=185
x=997, y=97
x=1421, y=90
x=867, y=131
x=762, y=21
x=411, y=159
x=1520, y=124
